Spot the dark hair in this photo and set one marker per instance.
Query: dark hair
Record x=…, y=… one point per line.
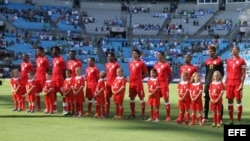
x=92, y=59
x=155, y=71
x=49, y=72
x=137, y=51
x=57, y=48
x=73, y=51
x=162, y=53
x=68, y=70
x=111, y=54
x=40, y=48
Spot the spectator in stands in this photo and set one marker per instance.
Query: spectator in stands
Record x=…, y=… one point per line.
x=164, y=77
x=138, y=71
x=111, y=70
x=212, y=64
x=236, y=71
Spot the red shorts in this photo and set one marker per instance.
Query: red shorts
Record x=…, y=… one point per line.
x=31, y=97
x=69, y=98
x=136, y=89
x=118, y=98
x=108, y=91
x=16, y=97
x=231, y=89
x=164, y=90
x=100, y=100
x=184, y=105
x=58, y=86
x=197, y=105
x=79, y=98
x=90, y=91
x=154, y=101
x=39, y=86
x=216, y=106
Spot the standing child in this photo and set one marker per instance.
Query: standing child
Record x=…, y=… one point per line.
x=184, y=99
x=216, y=91
x=78, y=86
x=100, y=97
x=31, y=92
x=49, y=93
x=196, y=97
x=153, y=96
x=118, y=89
x=68, y=93
x=18, y=90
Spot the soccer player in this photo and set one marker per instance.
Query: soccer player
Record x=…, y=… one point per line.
x=212, y=64
x=26, y=66
x=164, y=77
x=18, y=90
x=100, y=97
x=138, y=71
x=118, y=89
x=49, y=93
x=78, y=91
x=42, y=66
x=216, y=91
x=31, y=92
x=196, y=89
x=236, y=71
x=73, y=62
x=184, y=99
x=68, y=92
x=92, y=76
x=111, y=68
x=58, y=72
x=154, y=96
x=188, y=66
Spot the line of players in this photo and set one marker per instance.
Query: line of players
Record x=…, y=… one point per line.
x=138, y=71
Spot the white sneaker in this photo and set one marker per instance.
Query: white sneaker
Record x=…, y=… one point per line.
x=149, y=119
x=204, y=120
x=157, y=120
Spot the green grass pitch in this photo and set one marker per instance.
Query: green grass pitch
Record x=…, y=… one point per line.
x=21, y=126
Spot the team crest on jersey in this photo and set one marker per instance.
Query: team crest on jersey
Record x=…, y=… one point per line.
x=237, y=62
x=215, y=62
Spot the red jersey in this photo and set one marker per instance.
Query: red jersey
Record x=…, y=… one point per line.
x=189, y=69
x=152, y=85
x=235, y=67
x=67, y=84
x=31, y=83
x=100, y=85
x=78, y=83
x=17, y=82
x=164, y=71
x=49, y=86
x=195, y=89
x=183, y=87
x=59, y=66
x=92, y=75
x=72, y=65
x=119, y=82
x=137, y=68
x=215, y=89
x=42, y=65
x=100, y=99
x=111, y=68
x=25, y=68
